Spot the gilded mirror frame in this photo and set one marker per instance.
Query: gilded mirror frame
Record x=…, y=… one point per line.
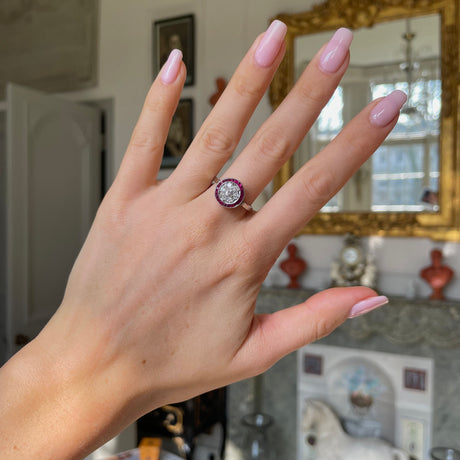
x=354, y=14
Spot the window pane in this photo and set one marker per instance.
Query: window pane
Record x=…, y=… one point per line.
x=332, y=205
x=413, y=191
x=398, y=176
x=398, y=159
x=380, y=192
x=396, y=193
x=434, y=184
x=380, y=160
x=330, y=121
x=434, y=157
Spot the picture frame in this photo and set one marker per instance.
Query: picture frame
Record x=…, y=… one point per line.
x=180, y=134
x=177, y=32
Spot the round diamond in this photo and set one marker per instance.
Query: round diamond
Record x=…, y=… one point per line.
x=229, y=193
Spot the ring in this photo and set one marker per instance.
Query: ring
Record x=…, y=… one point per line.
x=230, y=193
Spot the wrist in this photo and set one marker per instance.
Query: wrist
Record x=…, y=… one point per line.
x=58, y=400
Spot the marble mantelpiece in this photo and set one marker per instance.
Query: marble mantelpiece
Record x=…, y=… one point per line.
x=411, y=327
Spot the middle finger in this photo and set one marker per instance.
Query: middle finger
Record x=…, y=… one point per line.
x=222, y=130
x=281, y=134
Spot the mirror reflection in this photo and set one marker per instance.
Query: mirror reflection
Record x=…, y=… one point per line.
x=404, y=173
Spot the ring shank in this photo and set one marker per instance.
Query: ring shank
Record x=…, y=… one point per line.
x=246, y=206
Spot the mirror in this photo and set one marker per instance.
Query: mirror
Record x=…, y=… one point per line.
x=410, y=187
x=402, y=54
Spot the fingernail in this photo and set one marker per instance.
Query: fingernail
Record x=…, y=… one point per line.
x=367, y=305
x=388, y=108
x=171, y=67
x=336, y=50
x=270, y=44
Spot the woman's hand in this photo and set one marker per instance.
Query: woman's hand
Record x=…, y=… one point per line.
x=159, y=306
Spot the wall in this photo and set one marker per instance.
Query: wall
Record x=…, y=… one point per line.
x=399, y=261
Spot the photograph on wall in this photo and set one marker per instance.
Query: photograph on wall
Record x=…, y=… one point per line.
x=180, y=134
x=175, y=33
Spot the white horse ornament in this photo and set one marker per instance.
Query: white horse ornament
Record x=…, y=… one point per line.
x=330, y=442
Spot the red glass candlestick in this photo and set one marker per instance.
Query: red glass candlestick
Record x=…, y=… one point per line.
x=437, y=275
x=293, y=266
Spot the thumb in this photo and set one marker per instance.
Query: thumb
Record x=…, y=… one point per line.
x=273, y=336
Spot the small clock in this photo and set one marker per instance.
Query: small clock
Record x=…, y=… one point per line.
x=351, y=254
x=353, y=267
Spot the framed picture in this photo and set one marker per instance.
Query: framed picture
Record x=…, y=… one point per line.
x=180, y=134
x=172, y=33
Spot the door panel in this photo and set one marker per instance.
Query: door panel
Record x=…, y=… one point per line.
x=53, y=190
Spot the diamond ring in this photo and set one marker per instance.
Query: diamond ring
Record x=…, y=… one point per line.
x=230, y=193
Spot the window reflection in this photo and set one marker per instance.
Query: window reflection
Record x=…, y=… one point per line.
x=404, y=171
x=404, y=174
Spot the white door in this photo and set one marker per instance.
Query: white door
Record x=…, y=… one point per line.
x=53, y=190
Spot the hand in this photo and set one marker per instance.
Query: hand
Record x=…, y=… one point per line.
x=159, y=306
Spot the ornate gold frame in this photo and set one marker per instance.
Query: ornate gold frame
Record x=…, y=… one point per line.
x=354, y=14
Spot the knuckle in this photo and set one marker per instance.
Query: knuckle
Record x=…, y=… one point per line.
x=354, y=146
x=216, y=140
x=319, y=185
x=313, y=95
x=156, y=102
x=319, y=329
x=245, y=88
x=273, y=145
x=323, y=326
x=143, y=139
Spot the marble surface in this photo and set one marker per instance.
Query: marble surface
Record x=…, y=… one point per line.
x=412, y=327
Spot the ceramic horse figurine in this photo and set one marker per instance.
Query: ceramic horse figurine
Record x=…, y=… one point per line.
x=332, y=443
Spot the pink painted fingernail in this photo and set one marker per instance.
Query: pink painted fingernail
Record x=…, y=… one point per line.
x=388, y=108
x=171, y=67
x=270, y=44
x=336, y=50
x=367, y=305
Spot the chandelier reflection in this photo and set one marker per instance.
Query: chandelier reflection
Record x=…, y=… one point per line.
x=422, y=86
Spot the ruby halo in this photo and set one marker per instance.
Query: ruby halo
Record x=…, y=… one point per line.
x=229, y=193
